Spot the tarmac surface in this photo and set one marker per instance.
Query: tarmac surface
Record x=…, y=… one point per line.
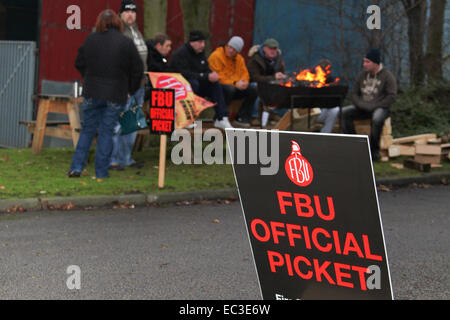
x=197, y=251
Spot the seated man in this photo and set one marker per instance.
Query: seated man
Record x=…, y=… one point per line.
x=190, y=61
x=266, y=64
x=234, y=78
x=372, y=95
x=158, y=49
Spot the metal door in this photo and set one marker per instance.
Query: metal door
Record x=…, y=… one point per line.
x=17, y=61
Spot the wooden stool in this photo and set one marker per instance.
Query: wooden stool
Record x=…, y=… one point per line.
x=41, y=127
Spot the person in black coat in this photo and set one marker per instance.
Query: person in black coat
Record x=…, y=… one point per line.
x=191, y=62
x=111, y=69
x=158, y=49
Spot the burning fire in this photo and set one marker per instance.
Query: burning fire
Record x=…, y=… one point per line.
x=316, y=77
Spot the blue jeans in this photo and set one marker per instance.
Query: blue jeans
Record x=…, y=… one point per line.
x=328, y=117
x=254, y=111
x=123, y=145
x=99, y=117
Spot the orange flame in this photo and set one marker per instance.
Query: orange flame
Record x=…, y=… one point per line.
x=317, y=78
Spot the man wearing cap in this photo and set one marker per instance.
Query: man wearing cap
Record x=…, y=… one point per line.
x=191, y=62
x=373, y=93
x=266, y=64
x=123, y=144
x=234, y=77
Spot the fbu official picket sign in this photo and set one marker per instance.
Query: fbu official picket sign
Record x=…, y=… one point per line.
x=314, y=226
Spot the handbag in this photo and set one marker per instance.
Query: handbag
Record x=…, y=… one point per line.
x=132, y=120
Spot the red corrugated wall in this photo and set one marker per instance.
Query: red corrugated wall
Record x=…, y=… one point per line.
x=232, y=18
x=227, y=18
x=59, y=45
x=174, y=23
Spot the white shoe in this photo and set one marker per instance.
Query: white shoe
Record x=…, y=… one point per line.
x=193, y=125
x=223, y=124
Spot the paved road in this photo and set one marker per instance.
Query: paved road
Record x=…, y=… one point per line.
x=197, y=252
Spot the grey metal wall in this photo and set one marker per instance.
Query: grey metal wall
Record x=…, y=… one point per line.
x=17, y=74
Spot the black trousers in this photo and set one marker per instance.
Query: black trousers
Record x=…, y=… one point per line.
x=212, y=90
x=249, y=95
x=378, y=116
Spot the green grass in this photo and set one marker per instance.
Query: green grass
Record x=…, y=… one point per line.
x=25, y=175
x=386, y=170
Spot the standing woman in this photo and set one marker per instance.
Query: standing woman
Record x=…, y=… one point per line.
x=111, y=69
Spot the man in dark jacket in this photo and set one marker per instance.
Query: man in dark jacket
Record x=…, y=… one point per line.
x=372, y=95
x=267, y=64
x=158, y=49
x=123, y=144
x=191, y=62
x=117, y=74
x=111, y=69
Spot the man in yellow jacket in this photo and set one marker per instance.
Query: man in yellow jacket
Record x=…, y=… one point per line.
x=229, y=64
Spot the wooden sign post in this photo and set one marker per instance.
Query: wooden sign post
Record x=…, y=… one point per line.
x=162, y=161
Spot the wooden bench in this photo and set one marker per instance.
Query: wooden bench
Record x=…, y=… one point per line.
x=55, y=128
x=41, y=127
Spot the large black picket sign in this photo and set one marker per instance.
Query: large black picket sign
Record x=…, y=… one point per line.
x=308, y=253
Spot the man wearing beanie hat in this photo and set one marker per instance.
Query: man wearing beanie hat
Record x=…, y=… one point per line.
x=373, y=93
x=127, y=5
x=234, y=77
x=123, y=144
x=190, y=60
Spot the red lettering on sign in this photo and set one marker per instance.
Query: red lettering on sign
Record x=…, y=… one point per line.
x=352, y=245
x=322, y=270
x=289, y=265
x=315, y=232
x=340, y=275
x=162, y=98
x=275, y=232
x=362, y=279
x=283, y=203
x=303, y=268
x=302, y=275
x=181, y=90
x=369, y=255
x=303, y=205
x=272, y=263
x=336, y=241
x=307, y=239
x=299, y=205
x=266, y=236
x=162, y=125
x=331, y=213
x=291, y=235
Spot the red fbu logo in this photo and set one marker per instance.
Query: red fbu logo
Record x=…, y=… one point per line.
x=181, y=90
x=297, y=168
